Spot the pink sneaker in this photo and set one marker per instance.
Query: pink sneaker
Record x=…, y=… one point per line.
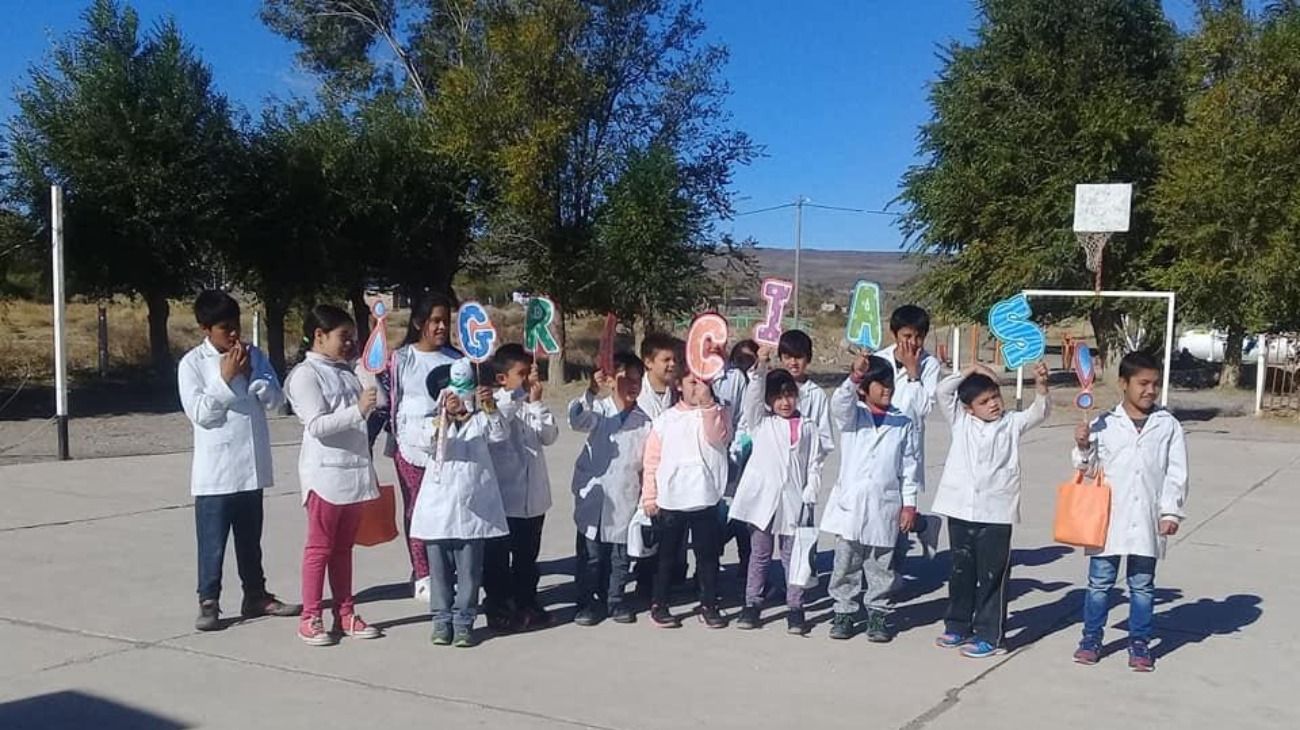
x=354, y=627
x=312, y=632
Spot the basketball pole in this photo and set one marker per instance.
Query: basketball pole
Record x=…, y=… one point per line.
x=60, y=313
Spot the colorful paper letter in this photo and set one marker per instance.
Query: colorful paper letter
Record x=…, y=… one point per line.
x=477, y=335
x=776, y=292
x=1084, y=371
x=864, y=328
x=707, y=333
x=375, y=357
x=605, y=357
x=538, y=320
x=1022, y=340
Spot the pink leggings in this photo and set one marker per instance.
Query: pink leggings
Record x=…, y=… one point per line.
x=331, y=533
x=409, y=477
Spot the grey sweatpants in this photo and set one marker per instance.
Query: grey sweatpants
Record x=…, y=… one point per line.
x=855, y=562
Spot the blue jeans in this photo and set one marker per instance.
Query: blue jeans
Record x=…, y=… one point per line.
x=1102, y=572
x=215, y=517
x=455, y=575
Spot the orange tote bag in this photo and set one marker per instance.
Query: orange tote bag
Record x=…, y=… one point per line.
x=1082, y=511
x=378, y=521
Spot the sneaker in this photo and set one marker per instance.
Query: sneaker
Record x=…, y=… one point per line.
x=588, y=616
x=312, y=632
x=842, y=626
x=748, y=619
x=795, y=623
x=1089, y=652
x=929, y=535
x=621, y=614
x=441, y=635
x=1139, y=657
x=980, y=649
x=711, y=617
x=951, y=640
x=663, y=618
x=464, y=637
x=268, y=605
x=209, y=616
x=354, y=627
x=878, y=628
x=530, y=619
x=422, y=591
x=501, y=621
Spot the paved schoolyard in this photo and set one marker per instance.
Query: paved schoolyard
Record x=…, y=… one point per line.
x=97, y=610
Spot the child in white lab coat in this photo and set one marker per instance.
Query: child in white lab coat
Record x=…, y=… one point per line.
x=980, y=494
x=334, y=469
x=459, y=507
x=875, y=497
x=607, y=487
x=796, y=351
x=510, y=575
x=777, y=485
x=226, y=388
x=1141, y=449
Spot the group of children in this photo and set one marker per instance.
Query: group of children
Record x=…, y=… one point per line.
x=669, y=461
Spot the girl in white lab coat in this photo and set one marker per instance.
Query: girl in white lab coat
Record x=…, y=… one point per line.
x=1142, y=451
x=875, y=497
x=459, y=507
x=778, y=484
x=334, y=469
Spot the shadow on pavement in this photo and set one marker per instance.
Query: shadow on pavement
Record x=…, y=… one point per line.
x=77, y=710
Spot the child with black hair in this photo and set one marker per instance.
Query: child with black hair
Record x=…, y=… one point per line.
x=875, y=497
x=607, y=487
x=796, y=351
x=413, y=412
x=335, y=470
x=729, y=390
x=980, y=494
x=659, y=391
x=778, y=485
x=226, y=388
x=1142, y=450
x=510, y=576
x=459, y=507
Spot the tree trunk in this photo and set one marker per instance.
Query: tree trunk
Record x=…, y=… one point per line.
x=1107, y=343
x=360, y=313
x=159, y=347
x=1230, y=376
x=275, y=314
x=555, y=364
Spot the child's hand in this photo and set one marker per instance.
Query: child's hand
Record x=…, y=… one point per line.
x=230, y=365
x=860, y=365
x=366, y=403
x=1168, y=527
x=906, y=519
x=651, y=510
x=534, y=384
x=765, y=353
x=1082, y=432
x=244, y=358
x=451, y=404
x=908, y=353
x=1041, y=376
x=486, y=400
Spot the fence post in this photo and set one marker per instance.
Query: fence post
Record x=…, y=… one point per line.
x=257, y=328
x=103, y=341
x=1261, y=374
x=956, y=348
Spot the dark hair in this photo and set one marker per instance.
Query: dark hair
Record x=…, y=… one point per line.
x=323, y=317
x=879, y=370
x=438, y=379
x=1135, y=362
x=212, y=307
x=744, y=354
x=795, y=343
x=656, y=342
x=625, y=362
x=509, y=355
x=420, y=313
x=779, y=382
x=910, y=315
x=975, y=385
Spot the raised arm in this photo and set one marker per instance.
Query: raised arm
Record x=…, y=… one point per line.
x=844, y=406
x=205, y=403
x=753, y=406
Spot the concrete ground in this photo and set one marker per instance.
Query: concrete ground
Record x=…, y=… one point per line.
x=97, y=610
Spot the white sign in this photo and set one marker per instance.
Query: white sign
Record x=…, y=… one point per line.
x=1102, y=208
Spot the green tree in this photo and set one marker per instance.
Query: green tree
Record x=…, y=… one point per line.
x=1228, y=200
x=132, y=128
x=1049, y=95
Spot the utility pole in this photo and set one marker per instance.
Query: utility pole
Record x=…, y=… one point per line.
x=798, y=248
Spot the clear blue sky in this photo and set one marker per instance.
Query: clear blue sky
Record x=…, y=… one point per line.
x=834, y=89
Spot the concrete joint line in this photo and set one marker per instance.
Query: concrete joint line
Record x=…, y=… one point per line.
x=118, y=515
x=1178, y=540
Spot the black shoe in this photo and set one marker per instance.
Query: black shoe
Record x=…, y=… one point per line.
x=663, y=618
x=878, y=628
x=589, y=616
x=749, y=618
x=842, y=626
x=710, y=616
x=500, y=621
x=795, y=623
x=621, y=614
x=209, y=616
x=268, y=605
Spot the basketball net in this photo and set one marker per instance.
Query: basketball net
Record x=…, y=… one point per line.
x=1094, y=245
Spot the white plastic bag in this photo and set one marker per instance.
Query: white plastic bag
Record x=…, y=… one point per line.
x=803, y=555
x=637, y=545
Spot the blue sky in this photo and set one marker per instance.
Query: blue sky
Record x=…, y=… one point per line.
x=834, y=89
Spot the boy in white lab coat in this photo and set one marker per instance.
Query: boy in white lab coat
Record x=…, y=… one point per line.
x=1141, y=449
x=607, y=487
x=795, y=349
x=980, y=494
x=875, y=497
x=510, y=576
x=226, y=388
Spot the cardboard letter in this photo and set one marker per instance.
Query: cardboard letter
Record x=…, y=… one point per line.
x=1022, y=340
x=864, y=328
x=477, y=335
x=776, y=292
x=605, y=357
x=538, y=320
x=707, y=333
x=375, y=357
x=1084, y=371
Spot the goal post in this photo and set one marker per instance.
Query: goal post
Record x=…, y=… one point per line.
x=1170, y=302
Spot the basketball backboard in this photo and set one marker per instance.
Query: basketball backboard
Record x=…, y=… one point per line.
x=1102, y=208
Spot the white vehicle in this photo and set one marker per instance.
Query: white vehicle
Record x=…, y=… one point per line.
x=1210, y=345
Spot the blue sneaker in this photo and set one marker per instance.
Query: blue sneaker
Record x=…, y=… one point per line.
x=980, y=649
x=951, y=640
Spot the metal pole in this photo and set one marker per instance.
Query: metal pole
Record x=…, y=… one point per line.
x=1169, y=348
x=798, y=245
x=257, y=328
x=103, y=341
x=956, y=348
x=1261, y=373
x=60, y=351
x=1020, y=388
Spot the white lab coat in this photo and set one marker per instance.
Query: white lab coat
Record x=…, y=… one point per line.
x=879, y=472
x=607, y=475
x=1147, y=472
x=729, y=391
x=414, y=409
x=518, y=461
x=915, y=398
x=816, y=407
x=460, y=499
x=981, y=478
x=232, y=444
x=686, y=463
x=652, y=403
x=334, y=459
x=771, y=489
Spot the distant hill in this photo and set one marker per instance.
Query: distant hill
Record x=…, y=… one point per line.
x=839, y=270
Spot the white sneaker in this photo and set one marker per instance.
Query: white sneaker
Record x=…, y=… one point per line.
x=422, y=591
x=930, y=535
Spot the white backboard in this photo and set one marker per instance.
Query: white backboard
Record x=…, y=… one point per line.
x=1102, y=208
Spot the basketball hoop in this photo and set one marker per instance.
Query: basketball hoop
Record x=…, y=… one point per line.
x=1100, y=211
x=1094, y=246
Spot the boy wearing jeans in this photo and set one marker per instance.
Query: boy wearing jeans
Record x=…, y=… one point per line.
x=1141, y=449
x=226, y=388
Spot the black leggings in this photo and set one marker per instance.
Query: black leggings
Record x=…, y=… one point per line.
x=705, y=529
